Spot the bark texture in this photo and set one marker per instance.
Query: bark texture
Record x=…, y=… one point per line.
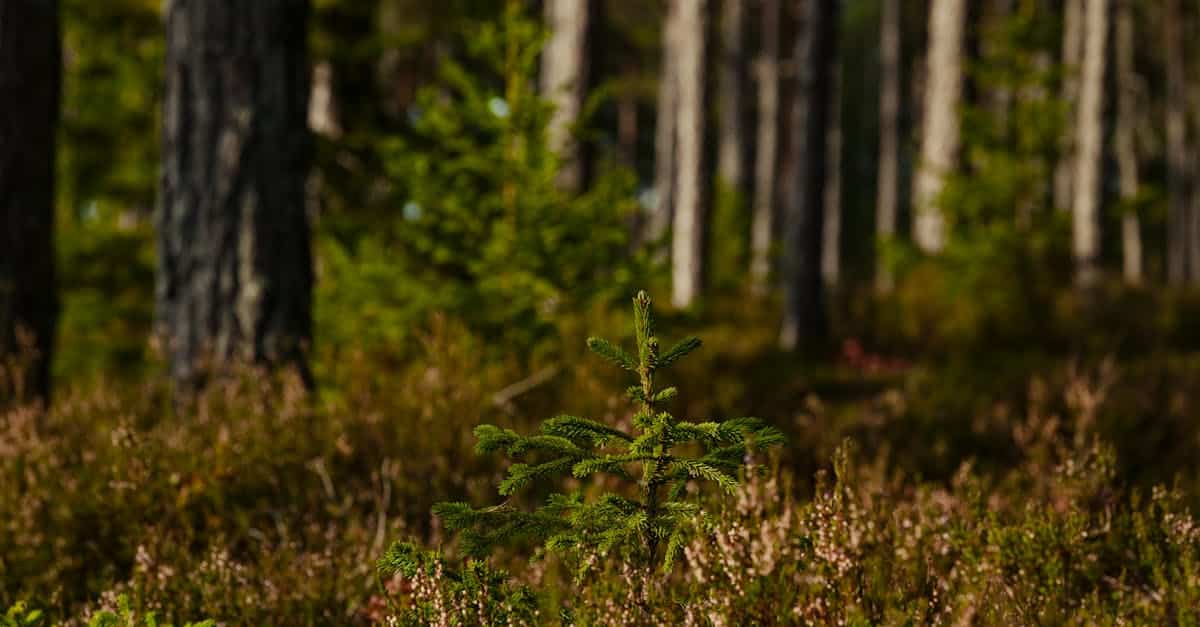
x=888, y=186
x=1125, y=142
x=766, y=161
x=687, y=243
x=235, y=266
x=564, y=81
x=30, y=75
x=1181, y=246
x=1089, y=134
x=940, y=141
x=731, y=143
x=804, y=324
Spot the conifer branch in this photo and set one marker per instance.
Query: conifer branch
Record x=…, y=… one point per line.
x=579, y=447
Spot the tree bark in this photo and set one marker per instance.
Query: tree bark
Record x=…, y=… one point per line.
x=1126, y=143
x=235, y=266
x=1072, y=58
x=766, y=162
x=1180, y=247
x=831, y=246
x=1090, y=145
x=687, y=246
x=804, y=323
x=888, y=198
x=660, y=214
x=564, y=82
x=940, y=142
x=30, y=80
x=731, y=143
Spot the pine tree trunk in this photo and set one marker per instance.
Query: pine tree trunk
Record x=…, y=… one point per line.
x=564, y=81
x=1180, y=247
x=941, y=125
x=766, y=161
x=687, y=244
x=1090, y=145
x=1125, y=141
x=1072, y=59
x=659, y=218
x=30, y=75
x=731, y=143
x=887, y=201
x=627, y=123
x=804, y=323
x=235, y=267
x=831, y=247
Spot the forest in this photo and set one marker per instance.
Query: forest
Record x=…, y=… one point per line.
x=599, y=312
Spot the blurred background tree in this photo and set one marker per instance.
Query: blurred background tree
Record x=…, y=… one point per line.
x=428, y=132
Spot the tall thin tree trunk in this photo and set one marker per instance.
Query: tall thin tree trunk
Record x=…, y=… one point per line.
x=831, y=247
x=1072, y=59
x=564, y=81
x=1125, y=142
x=766, y=162
x=804, y=324
x=687, y=245
x=888, y=198
x=235, y=267
x=731, y=141
x=627, y=123
x=940, y=140
x=1090, y=145
x=30, y=76
x=1180, y=177
x=659, y=218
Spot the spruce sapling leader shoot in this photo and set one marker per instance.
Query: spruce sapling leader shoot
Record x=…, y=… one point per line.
x=636, y=528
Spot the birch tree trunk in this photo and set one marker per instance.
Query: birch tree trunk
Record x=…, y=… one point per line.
x=1090, y=145
x=564, y=82
x=1180, y=249
x=687, y=245
x=804, y=323
x=659, y=218
x=731, y=143
x=887, y=200
x=1125, y=142
x=940, y=140
x=766, y=161
x=235, y=268
x=1072, y=58
x=831, y=246
x=30, y=75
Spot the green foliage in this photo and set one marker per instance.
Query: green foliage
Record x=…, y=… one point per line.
x=438, y=594
x=106, y=276
x=19, y=615
x=1007, y=255
x=124, y=616
x=484, y=230
x=661, y=516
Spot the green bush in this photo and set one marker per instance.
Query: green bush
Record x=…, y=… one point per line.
x=483, y=231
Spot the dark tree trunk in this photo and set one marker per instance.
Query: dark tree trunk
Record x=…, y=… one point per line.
x=1180, y=245
x=30, y=72
x=804, y=324
x=235, y=268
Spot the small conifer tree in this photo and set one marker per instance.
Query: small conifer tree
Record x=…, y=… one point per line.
x=641, y=528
